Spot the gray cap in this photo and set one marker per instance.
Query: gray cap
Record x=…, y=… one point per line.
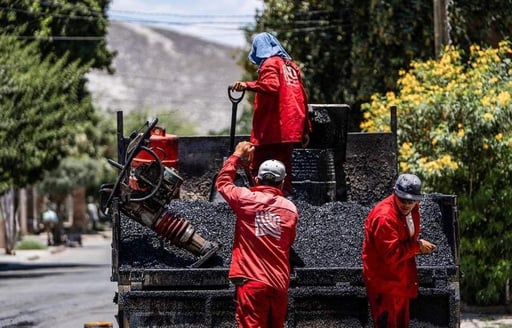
x=408, y=186
x=272, y=170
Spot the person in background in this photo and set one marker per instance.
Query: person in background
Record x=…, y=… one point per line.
x=92, y=213
x=280, y=118
x=50, y=223
x=391, y=243
x=265, y=230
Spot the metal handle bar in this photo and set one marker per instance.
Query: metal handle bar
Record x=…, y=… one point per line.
x=235, y=100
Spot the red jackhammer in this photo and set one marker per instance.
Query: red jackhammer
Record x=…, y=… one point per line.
x=143, y=190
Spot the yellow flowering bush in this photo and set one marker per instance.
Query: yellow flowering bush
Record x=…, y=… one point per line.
x=454, y=115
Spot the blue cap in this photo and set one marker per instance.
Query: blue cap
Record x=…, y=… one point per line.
x=408, y=186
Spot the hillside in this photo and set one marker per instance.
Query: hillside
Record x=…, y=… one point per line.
x=167, y=72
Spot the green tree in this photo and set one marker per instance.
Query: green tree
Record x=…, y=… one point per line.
x=455, y=120
x=47, y=48
x=42, y=119
x=76, y=174
x=484, y=23
x=75, y=29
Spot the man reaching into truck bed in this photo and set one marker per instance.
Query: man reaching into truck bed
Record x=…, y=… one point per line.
x=265, y=229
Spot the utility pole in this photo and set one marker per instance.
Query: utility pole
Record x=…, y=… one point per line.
x=441, y=29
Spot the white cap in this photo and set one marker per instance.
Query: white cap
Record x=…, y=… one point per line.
x=272, y=170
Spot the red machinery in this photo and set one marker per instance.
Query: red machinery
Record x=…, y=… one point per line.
x=147, y=182
x=164, y=145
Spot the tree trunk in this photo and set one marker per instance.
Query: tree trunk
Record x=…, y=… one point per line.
x=8, y=212
x=79, y=210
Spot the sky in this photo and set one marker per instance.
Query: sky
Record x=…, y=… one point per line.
x=214, y=20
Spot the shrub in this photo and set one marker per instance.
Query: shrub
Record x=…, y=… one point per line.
x=29, y=244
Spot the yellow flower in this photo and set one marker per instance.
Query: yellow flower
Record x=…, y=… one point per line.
x=499, y=136
x=503, y=98
x=406, y=146
x=474, y=48
x=486, y=101
x=488, y=116
x=434, y=141
x=460, y=134
x=404, y=167
x=485, y=146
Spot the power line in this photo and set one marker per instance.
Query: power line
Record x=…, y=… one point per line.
x=148, y=21
x=202, y=16
x=143, y=20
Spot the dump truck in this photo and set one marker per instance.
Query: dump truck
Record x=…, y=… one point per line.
x=171, y=255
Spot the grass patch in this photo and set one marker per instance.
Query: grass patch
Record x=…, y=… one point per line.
x=29, y=244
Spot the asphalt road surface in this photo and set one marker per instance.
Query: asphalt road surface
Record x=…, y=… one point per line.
x=65, y=289
x=70, y=286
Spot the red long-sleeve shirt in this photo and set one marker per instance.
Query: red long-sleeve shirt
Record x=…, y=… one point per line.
x=264, y=232
x=389, y=264
x=280, y=103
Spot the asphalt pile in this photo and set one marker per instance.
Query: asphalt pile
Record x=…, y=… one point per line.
x=329, y=235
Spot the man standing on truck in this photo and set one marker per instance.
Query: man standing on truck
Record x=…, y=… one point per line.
x=390, y=245
x=280, y=119
x=265, y=230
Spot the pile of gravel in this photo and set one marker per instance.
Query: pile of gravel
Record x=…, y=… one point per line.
x=328, y=236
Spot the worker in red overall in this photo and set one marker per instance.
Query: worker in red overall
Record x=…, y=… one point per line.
x=280, y=119
x=265, y=229
x=390, y=245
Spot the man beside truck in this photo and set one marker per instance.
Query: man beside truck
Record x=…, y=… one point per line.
x=391, y=243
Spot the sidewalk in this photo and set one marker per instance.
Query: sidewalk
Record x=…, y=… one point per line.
x=479, y=320
x=35, y=255
x=24, y=256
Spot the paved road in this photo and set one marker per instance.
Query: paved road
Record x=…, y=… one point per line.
x=67, y=287
x=61, y=288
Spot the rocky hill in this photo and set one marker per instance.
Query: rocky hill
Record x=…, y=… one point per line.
x=165, y=72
